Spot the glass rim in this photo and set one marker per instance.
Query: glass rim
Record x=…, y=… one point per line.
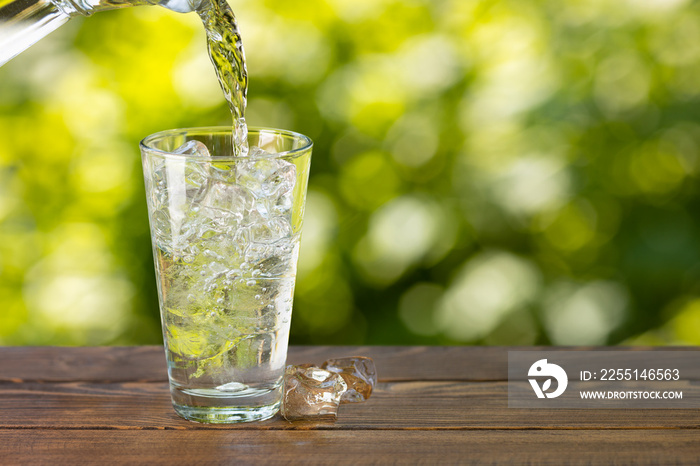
x=209, y=130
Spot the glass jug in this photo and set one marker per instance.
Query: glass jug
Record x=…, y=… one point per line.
x=24, y=22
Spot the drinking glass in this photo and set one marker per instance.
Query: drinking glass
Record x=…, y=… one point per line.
x=225, y=232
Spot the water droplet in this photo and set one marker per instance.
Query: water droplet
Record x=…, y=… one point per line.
x=256, y=273
x=251, y=282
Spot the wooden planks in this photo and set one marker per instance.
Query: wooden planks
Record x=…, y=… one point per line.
x=147, y=363
x=97, y=364
x=433, y=405
x=395, y=405
x=348, y=447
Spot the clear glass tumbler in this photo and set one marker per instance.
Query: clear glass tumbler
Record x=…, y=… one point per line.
x=225, y=232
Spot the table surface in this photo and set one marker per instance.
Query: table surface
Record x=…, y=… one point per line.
x=432, y=405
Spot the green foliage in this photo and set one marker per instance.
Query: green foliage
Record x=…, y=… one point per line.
x=495, y=172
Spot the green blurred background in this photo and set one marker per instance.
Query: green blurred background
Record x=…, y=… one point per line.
x=485, y=172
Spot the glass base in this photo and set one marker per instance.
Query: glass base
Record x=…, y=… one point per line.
x=226, y=415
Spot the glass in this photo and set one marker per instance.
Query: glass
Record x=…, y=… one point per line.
x=225, y=232
x=24, y=22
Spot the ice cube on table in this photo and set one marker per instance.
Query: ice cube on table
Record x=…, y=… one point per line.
x=311, y=393
x=359, y=374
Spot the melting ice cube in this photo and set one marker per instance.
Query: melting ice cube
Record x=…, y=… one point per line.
x=359, y=373
x=311, y=393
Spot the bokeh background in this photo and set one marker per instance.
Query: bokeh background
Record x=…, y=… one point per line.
x=485, y=172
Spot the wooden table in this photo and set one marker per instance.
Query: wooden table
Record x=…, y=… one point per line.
x=111, y=405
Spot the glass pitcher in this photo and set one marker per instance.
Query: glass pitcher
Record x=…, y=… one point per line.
x=24, y=22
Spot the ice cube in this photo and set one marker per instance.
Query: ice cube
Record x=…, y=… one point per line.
x=311, y=393
x=223, y=171
x=266, y=177
x=359, y=373
x=193, y=148
x=160, y=221
x=269, y=231
x=280, y=206
x=283, y=206
x=256, y=151
x=269, y=246
x=228, y=198
x=196, y=179
x=196, y=172
x=159, y=187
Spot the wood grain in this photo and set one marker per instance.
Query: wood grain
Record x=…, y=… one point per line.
x=348, y=447
x=441, y=405
x=96, y=364
x=395, y=405
x=147, y=363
